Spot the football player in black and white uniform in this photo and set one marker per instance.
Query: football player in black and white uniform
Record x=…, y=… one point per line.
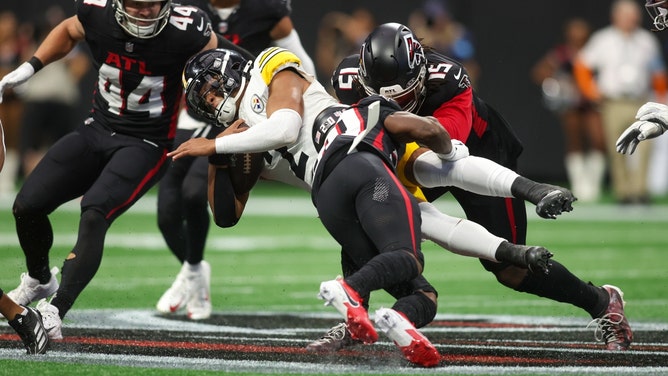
x=652, y=117
x=392, y=62
x=183, y=216
x=375, y=219
x=139, y=48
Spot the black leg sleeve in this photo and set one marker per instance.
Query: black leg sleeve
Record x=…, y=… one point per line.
x=418, y=308
x=561, y=285
x=84, y=260
x=35, y=235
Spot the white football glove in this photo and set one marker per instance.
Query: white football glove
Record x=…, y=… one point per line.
x=459, y=151
x=16, y=77
x=638, y=131
x=654, y=112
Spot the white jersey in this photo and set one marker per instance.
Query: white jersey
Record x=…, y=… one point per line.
x=292, y=164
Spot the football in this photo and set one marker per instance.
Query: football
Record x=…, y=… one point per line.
x=244, y=170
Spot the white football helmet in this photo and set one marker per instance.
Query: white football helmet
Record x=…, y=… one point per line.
x=131, y=24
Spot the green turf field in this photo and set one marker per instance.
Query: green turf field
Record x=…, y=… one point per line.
x=276, y=257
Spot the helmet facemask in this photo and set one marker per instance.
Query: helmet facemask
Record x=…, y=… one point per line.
x=409, y=98
x=132, y=25
x=393, y=64
x=658, y=13
x=218, y=79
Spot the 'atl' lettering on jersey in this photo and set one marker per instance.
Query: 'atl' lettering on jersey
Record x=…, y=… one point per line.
x=126, y=63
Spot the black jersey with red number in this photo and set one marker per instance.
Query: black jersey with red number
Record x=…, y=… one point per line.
x=450, y=98
x=139, y=85
x=251, y=22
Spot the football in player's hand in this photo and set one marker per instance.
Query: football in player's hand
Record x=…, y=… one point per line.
x=244, y=170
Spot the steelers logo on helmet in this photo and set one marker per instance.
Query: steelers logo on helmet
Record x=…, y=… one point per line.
x=214, y=81
x=393, y=64
x=141, y=26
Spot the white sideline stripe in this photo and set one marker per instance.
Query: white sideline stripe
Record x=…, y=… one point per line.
x=149, y=320
x=301, y=206
x=272, y=367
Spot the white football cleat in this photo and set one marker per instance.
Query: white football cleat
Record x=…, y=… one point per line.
x=51, y=319
x=30, y=290
x=415, y=346
x=176, y=297
x=199, y=286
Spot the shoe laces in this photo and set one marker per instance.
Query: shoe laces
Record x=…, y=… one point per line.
x=337, y=333
x=608, y=329
x=27, y=281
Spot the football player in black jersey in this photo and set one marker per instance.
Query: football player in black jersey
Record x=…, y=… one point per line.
x=139, y=48
x=183, y=215
x=376, y=220
x=391, y=64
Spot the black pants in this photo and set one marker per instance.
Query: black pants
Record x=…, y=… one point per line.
x=368, y=211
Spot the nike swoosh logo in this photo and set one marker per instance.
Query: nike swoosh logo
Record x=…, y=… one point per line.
x=459, y=74
x=201, y=25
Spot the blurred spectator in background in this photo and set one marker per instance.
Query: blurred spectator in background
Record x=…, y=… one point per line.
x=627, y=62
x=580, y=119
x=340, y=34
x=50, y=98
x=12, y=46
x=434, y=24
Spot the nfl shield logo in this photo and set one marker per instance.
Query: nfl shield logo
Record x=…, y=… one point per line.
x=129, y=47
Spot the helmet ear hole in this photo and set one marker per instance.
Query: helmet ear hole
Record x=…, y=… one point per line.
x=393, y=64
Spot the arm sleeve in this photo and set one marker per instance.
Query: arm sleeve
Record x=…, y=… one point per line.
x=280, y=129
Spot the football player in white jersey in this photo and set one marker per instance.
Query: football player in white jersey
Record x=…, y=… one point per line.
x=183, y=215
x=279, y=102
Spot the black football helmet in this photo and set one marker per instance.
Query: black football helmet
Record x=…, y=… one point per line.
x=131, y=24
x=393, y=64
x=221, y=72
x=658, y=12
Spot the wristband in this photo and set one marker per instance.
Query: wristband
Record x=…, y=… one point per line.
x=36, y=63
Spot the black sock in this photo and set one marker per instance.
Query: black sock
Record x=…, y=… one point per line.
x=562, y=286
x=529, y=190
x=418, y=308
x=511, y=253
x=385, y=270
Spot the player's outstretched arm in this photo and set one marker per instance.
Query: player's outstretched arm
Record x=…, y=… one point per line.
x=652, y=121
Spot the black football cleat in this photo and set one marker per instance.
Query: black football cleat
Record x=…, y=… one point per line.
x=31, y=330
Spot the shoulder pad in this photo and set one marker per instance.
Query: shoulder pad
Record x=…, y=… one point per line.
x=273, y=60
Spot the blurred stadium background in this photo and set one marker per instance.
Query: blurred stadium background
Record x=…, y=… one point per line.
x=510, y=36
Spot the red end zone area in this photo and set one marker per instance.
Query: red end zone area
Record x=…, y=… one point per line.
x=275, y=343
